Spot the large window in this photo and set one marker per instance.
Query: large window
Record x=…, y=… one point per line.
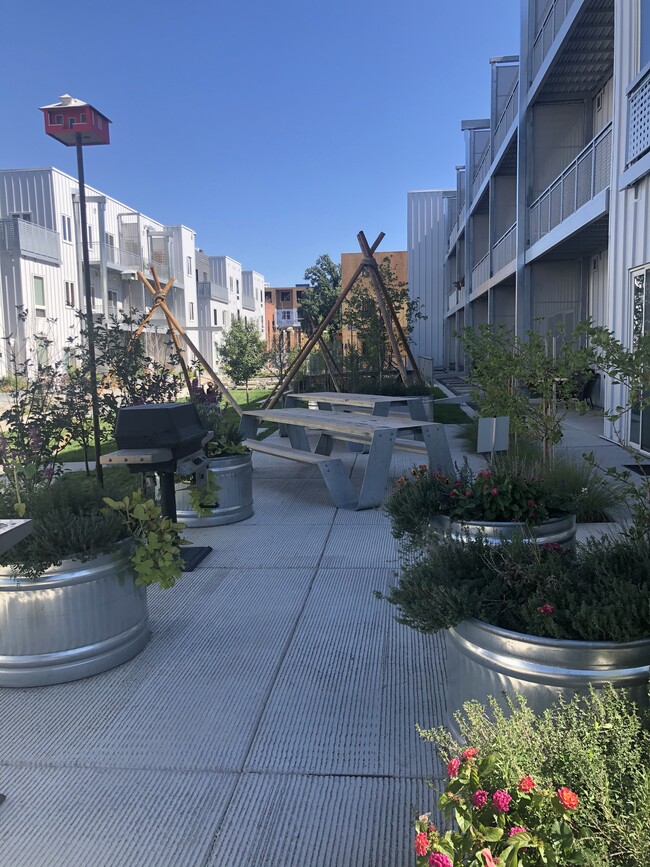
x=39, y=297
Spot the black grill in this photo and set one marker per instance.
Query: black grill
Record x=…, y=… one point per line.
x=174, y=426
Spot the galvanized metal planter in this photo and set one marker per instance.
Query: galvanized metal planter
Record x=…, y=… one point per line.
x=234, y=475
x=561, y=531
x=76, y=620
x=484, y=660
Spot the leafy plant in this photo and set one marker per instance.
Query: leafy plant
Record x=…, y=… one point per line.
x=513, y=823
x=243, y=352
x=597, y=746
x=494, y=494
x=157, y=557
x=600, y=594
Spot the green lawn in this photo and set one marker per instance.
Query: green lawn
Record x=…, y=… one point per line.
x=450, y=414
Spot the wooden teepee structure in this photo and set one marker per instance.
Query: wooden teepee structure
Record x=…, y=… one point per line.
x=388, y=313
x=178, y=334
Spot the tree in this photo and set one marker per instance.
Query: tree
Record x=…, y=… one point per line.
x=317, y=301
x=362, y=313
x=242, y=352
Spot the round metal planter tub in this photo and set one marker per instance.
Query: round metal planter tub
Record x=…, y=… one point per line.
x=234, y=476
x=559, y=531
x=76, y=620
x=484, y=660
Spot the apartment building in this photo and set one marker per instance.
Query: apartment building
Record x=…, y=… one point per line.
x=282, y=322
x=549, y=221
x=41, y=269
x=41, y=262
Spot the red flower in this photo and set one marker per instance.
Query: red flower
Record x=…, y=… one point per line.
x=567, y=798
x=526, y=784
x=469, y=753
x=501, y=801
x=494, y=492
x=452, y=767
x=546, y=609
x=479, y=799
x=421, y=843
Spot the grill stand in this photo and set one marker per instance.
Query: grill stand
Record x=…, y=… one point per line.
x=191, y=556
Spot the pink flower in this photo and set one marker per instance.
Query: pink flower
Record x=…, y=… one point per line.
x=516, y=829
x=452, y=767
x=567, y=798
x=469, y=753
x=526, y=784
x=479, y=799
x=421, y=843
x=546, y=609
x=494, y=492
x=501, y=801
x=489, y=858
x=439, y=859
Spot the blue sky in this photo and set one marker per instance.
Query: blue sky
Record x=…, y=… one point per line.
x=277, y=129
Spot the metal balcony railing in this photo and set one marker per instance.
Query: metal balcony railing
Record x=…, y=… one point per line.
x=547, y=32
x=481, y=171
x=508, y=114
x=30, y=240
x=115, y=256
x=587, y=175
x=287, y=318
x=638, y=113
x=481, y=272
x=505, y=249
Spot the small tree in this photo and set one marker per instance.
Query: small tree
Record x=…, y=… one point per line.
x=317, y=301
x=242, y=352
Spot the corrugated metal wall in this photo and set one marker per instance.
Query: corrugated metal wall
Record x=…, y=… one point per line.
x=427, y=243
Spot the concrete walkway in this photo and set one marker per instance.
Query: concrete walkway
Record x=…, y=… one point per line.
x=270, y=720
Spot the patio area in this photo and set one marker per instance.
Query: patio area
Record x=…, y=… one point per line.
x=271, y=718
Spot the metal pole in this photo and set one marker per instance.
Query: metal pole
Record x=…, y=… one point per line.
x=90, y=324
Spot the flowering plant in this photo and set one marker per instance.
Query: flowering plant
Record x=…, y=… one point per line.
x=519, y=824
x=492, y=494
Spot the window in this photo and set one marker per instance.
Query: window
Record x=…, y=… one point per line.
x=286, y=315
x=66, y=225
x=90, y=236
x=110, y=240
x=42, y=352
x=55, y=119
x=69, y=294
x=237, y=282
x=191, y=311
x=39, y=297
x=224, y=317
x=23, y=215
x=285, y=297
x=189, y=266
x=215, y=317
x=230, y=284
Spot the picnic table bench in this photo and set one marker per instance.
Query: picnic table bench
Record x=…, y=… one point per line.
x=377, y=432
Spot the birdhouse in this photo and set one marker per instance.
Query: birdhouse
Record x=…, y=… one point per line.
x=66, y=119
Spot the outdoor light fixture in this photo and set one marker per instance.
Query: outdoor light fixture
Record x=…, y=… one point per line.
x=75, y=123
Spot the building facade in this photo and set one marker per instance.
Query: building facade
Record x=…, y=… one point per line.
x=549, y=221
x=41, y=269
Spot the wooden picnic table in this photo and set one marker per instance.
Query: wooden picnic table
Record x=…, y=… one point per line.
x=378, y=432
x=378, y=404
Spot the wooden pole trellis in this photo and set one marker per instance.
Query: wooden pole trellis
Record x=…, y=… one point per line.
x=177, y=332
x=386, y=307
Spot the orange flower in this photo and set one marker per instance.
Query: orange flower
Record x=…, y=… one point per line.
x=567, y=798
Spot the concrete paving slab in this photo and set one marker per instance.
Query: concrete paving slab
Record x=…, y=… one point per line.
x=350, y=547
x=262, y=545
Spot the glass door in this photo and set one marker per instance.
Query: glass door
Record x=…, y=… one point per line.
x=640, y=419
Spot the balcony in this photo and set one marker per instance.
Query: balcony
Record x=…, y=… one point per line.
x=213, y=291
x=458, y=225
x=549, y=29
x=29, y=240
x=287, y=318
x=638, y=112
x=481, y=272
x=481, y=171
x=504, y=250
x=586, y=176
x=508, y=115
x=120, y=259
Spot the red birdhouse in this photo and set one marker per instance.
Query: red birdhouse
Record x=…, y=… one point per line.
x=69, y=117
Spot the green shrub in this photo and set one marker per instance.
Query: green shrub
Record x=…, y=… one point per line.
x=598, y=746
x=600, y=594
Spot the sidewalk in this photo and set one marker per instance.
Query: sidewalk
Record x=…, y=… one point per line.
x=270, y=720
